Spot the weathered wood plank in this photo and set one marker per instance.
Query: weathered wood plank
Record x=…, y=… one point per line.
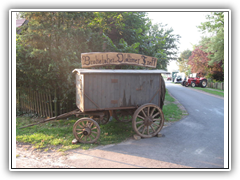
x=116, y=58
x=105, y=91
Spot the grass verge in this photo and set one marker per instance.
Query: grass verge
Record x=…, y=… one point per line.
x=172, y=110
x=57, y=135
x=211, y=91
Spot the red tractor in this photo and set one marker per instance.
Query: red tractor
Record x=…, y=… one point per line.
x=195, y=79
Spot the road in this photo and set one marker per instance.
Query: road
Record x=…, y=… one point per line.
x=196, y=141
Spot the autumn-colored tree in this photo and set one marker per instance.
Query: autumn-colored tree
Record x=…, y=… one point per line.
x=199, y=63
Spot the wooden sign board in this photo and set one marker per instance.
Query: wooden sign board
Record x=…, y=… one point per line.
x=116, y=58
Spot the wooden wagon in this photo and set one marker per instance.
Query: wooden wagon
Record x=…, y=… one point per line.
x=136, y=95
x=128, y=95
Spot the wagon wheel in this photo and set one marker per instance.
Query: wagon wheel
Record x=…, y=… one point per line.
x=123, y=115
x=101, y=119
x=148, y=120
x=86, y=130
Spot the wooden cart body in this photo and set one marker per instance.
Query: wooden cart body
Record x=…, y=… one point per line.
x=118, y=89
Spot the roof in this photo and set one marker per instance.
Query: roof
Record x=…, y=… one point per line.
x=119, y=71
x=19, y=22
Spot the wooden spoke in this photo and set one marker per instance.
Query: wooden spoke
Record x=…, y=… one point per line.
x=80, y=126
x=143, y=129
x=155, y=124
x=81, y=136
x=155, y=114
x=79, y=133
x=159, y=119
x=148, y=110
x=152, y=128
x=92, y=135
x=152, y=111
x=140, y=117
x=139, y=122
x=144, y=113
x=140, y=127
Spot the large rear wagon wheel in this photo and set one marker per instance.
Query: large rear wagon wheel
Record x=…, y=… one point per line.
x=86, y=130
x=148, y=120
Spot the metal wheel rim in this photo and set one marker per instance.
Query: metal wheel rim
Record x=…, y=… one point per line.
x=148, y=120
x=86, y=130
x=204, y=83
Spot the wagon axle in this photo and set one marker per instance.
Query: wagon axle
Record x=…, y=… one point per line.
x=86, y=131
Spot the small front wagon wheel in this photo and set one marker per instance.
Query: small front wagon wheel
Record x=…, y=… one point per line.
x=148, y=120
x=86, y=130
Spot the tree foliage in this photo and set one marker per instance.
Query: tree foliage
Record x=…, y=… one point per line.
x=182, y=62
x=214, y=45
x=199, y=62
x=50, y=45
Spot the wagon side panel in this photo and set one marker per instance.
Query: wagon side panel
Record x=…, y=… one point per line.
x=120, y=91
x=80, y=91
x=146, y=88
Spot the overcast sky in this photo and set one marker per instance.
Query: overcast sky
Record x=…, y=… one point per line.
x=184, y=24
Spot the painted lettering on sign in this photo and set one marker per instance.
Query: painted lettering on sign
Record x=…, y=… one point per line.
x=116, y=58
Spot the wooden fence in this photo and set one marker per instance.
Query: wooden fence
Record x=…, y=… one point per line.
x=216, y=85
x=47, y=104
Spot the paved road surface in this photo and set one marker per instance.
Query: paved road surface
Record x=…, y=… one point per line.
x=197, y=141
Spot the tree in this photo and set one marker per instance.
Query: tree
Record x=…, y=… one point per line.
x=214, y=45
x=50, y=48
x=199, y=62
x=183, y=62
x=51, y=45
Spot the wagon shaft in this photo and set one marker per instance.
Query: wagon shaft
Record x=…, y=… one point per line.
x=62, y=116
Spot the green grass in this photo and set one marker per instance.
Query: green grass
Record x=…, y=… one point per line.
x=171, y=110
x=58, y=135
x=212, y=91
x=217, y=92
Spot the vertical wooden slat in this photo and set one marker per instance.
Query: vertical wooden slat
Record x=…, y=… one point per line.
x=45, y=104
x=40, y=104
x=37, y=103
x=48, y=105
x=30, y=101
x=50, y=102
x=55, y=102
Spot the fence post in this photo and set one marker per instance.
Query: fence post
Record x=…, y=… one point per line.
x=55, y=102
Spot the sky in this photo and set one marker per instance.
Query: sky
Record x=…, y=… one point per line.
x=184, y=24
